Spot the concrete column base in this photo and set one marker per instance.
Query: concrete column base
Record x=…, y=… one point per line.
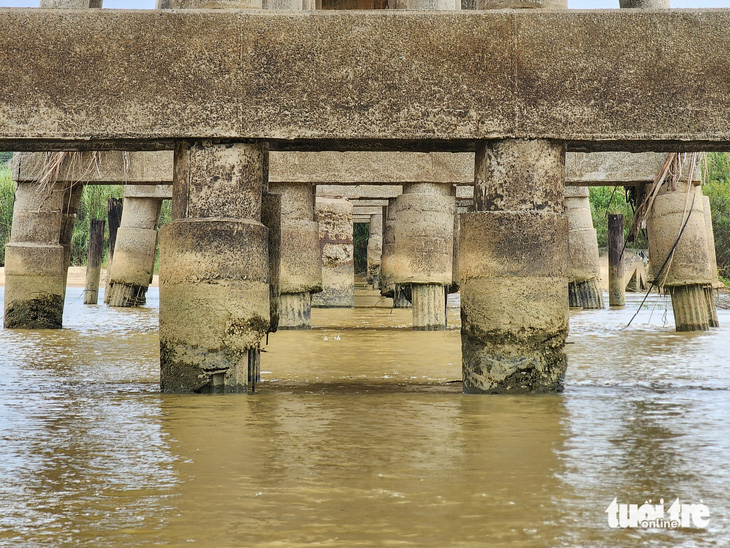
x=214, y=303
x=295, y=310
x=134, y=253
x=585, y=294
x=239, y=377
x=693, y=311
x=495, y=364
x=429, y=307
x=34, y=286
x=402, y=296
x=711, y=308
x=125, y=295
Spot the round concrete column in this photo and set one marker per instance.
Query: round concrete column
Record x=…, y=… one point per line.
x=644, y=4
x=335, y=241
x=71, y=4
x=688, y=273
x=38, y=255
x=583, y=289
x=214, y=268
x=375, y=250
x=518, y=4
x=134, y=252
x=433, y=4
x=301, y=264
x=424, y=249
x=514, y=270
x=387, y=284
x=208, y=4
x=454, y=287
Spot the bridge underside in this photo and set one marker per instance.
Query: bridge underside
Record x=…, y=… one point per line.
x=224, y=88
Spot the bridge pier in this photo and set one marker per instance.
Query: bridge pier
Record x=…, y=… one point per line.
x=687, y=275
x=375, y=249
x=214, y=275
x=334, y=216
x=132, y=267
x=514, y=306
x=38, y=255
x=584, y=271
x=424, y=249
x=301, y=265
x=458, y=210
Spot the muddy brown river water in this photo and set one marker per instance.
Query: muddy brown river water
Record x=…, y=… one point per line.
x=360, y=436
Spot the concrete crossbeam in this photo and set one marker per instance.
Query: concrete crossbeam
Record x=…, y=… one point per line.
x=610, y=80
x=364, y=210
x=350, y=174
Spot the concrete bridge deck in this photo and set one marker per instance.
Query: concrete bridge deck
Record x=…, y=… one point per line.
x=364, y=80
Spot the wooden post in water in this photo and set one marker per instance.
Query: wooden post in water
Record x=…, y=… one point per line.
x=616, y=288
x=93, y=264
x=114, y=214
x=114, y=208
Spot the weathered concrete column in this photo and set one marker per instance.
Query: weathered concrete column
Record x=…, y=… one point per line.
x=271, y=219
x=424, y=249
x=335, y=241
x=375, y=250
x=583, y=289
x=616, y=285
x=214, y=290
x=132, y=267
x=644, y=4
x=515, y=4
x=38, y=255
x=688, y=274
x=71, y=4
x=514, y=270
x=301, y=264
x=454, y=286
x=388, y=286
x=433, y=4
x=209, y=4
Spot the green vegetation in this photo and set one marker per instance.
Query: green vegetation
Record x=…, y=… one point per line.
x=717, y=188
x=93, y=206
x=608, y=199
x=7, y=195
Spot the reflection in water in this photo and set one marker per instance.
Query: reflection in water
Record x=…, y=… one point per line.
x=359, y=436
